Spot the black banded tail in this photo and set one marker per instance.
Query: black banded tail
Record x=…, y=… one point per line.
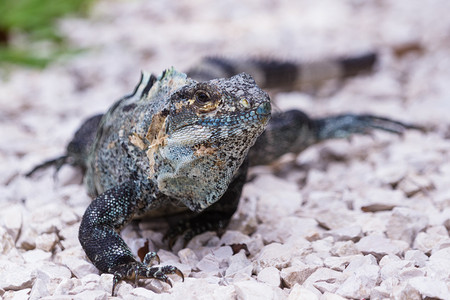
x=285, y=75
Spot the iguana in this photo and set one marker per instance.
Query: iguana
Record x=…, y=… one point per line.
x=182, y=146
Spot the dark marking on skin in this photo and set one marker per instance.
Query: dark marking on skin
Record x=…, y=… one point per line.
x=128, y=107
x=354, y=65
x=149, y=85
x=278, y=74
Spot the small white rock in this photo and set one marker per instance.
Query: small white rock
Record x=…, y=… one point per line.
x=339, y=263
x=12, y=219
x=429, y=287
x=188, y=257
x=331, y=296
x=273, y=255
x=209, y=264
x=344, y=249
x=252, y=290
x=46, y=241
x=91, y=294
x=405, y=223
x=350, y=233
x=380, y=246
x=15, y=277
x=39, y=289
x=296, y=274
x=300, y=293
x=418, y=258
x=141, y=292
x=79, y=267
x=270, y=276
x=6, y=241
x=36, y=255
x=239, y=264
x=363, y=273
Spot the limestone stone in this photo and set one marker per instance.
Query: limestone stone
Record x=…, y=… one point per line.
x=296, y=274
x=350, y=233
x=344, y=249
x=405, y=223
x=188, y=257
x=380, y=246
x=414, y=183
x=429, y=287
x=281, y=230
x=39, y=289
x=362, y=276
x=239, y=264
x=36, y=255
x=46, y=241
x=79, y=267
x=15, y=277
x=418, y=258
x=273, y=255
x=11, y=218
x=252, y=290
x=270, y=276
x=331, y=296
x=300, y=293
x=6, y=241
x=324, y=279
x=92, y=294
x=339, y=263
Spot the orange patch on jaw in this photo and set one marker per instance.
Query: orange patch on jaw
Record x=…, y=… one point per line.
x=203, y=150
x=156, y=137
x=136, y=140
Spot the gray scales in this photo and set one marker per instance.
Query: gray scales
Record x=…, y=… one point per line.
x=182, y=146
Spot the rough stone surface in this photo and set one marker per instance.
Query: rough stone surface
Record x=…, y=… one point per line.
x=270, y=276
x=380, y=246
x=366, y=217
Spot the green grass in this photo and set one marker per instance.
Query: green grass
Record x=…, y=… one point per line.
x=35, y=21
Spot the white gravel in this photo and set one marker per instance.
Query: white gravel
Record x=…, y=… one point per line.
x=367, y=217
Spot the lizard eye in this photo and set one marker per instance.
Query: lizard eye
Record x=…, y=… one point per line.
x=202, y=97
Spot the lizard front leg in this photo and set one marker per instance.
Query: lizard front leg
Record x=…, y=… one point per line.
x=100, y=239
x=293, y=131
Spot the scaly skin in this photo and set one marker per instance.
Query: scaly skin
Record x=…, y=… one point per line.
x=172, y=142
x=177, y=145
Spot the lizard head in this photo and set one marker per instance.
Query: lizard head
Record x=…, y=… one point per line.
x=205, y=133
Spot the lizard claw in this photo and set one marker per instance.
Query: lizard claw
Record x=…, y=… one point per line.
x=136, y=270
x=179, y=273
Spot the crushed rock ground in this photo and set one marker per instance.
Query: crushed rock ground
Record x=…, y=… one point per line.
x=367, y=217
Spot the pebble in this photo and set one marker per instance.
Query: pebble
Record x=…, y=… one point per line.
x=380, y=246
x=239, y=264
x=405, y=223
x=15, y=277
x=296, y=274
x=46, y=241
x=270, y=276
x=351, y=233
x=252, y=290
x=418, y=258
x=11, y=218
x=79, y=267
x=91, y=294
x=423, y=287
x=362, y=276
x=300, y=293
x=273, y=255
